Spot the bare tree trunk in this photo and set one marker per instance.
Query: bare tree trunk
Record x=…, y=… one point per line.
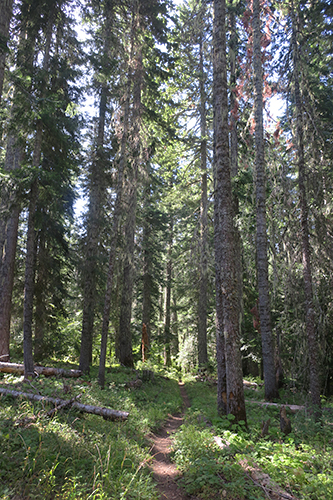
x=7, y=282
x=262, y=259
x=40, y=289
x=6, y=8
x=175, y=332
x=95, y=218
x=147, y=264
x=234, y=149
x=226, y=232
x=125, y=334
x=167, y=324
x=202, y=303
x=306, y=252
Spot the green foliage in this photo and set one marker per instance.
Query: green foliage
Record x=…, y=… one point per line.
x=81, y=456
x=300, y=462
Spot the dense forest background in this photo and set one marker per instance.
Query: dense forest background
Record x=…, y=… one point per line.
x=114, y=106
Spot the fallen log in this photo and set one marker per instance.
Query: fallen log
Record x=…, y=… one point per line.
x=40, y=370
x=292, y=408
x=271, y=489
x=106, y=413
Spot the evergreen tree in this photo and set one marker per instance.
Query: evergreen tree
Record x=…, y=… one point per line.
x=226, y=232
x=260, y=183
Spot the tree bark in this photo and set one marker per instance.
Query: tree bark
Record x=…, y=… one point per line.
x=226, y=232
x=306, y=251
x=8, y=243
x=147, y=263
x=234, y=148
x=203, y=279
x=106, y=413
x=262, y=259
x=167, y=324
x=40, y=289
x=125, y=334
x=6, y=8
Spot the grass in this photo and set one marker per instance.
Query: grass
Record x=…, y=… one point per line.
x=301, y=463
x=81, y=456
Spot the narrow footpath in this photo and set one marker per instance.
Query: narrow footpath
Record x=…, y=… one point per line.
x=165, y=472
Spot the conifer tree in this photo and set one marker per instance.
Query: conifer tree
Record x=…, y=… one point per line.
x=262, y=257
x=228, y=269
x=97, y=194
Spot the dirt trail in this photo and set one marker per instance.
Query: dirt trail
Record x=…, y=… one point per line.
x=165, y=472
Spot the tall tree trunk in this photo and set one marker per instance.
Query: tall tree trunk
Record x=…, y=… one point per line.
x=116, y=220
x=30, y=261
x=96, y=199
x=8, y=235
x=114, y=239
x=226, y=232
x=262, y=259
x=234, y=147
x=167, y=324
x=175, y=331
x=306, y=252
x=147, y=263
x=6, y=7
x=125, y=334
x=202, y=304
x=40, y=289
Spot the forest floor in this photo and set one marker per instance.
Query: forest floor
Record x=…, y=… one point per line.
x=165, y=472
x=172, y=446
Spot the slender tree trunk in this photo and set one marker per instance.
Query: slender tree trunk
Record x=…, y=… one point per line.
x=175, y=331
x=220, y=340
x=95, y=217
x=262, y=259
x=306, y=252
x=6, y=8
x=167, y=324
x=8, y=234
x=40, y=289
x=147, y=263
x=234, y=148
x=226, y=233
x=30, y=261
x=202, y=304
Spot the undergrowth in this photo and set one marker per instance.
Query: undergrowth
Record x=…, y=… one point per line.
x=77, y=456
x=301, y=462
x=74, y=455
